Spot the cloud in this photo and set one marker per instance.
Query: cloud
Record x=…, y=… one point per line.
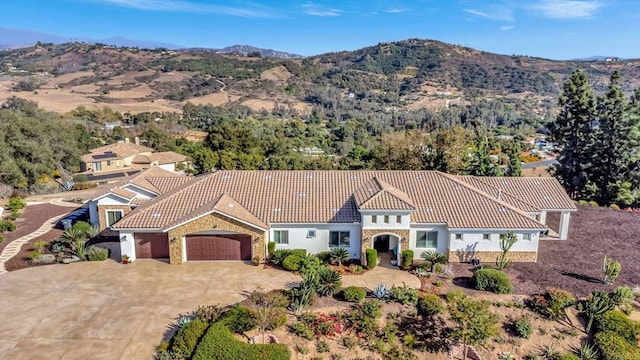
x=567, y=9
x=497, y=13
x=508, y=27
x=186, y=6
x=319, y=10
x=397, y=10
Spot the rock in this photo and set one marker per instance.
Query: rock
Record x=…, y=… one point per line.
x=47, y=259
x=70, y=260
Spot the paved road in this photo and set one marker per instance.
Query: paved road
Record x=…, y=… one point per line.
x=539, y=163
x=106, y=310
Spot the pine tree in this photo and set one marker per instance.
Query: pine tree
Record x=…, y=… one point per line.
x=614, y=145
x=514, y=166
x=481, y=163
x=572, y=130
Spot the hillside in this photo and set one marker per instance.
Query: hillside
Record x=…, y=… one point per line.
x=402, y=82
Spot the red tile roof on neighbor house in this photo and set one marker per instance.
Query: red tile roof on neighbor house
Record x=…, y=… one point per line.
x=141, y=180
x=268, y=197
x=121, y=150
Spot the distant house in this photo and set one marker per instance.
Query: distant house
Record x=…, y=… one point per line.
x=109, y=126
x=112, y=162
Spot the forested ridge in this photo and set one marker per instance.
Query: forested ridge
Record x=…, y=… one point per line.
x=414, y=104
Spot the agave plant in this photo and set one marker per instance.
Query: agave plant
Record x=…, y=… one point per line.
x=381, y=292
x=587, y=352
x=339, y=256
x=184, y=319
x=329, y=282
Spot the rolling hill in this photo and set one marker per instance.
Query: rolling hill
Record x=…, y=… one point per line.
x=389, y=78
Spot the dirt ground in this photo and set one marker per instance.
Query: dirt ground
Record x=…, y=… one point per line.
x=20, y=261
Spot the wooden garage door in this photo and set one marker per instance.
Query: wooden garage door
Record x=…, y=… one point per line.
x=219, y=247
x=152, y=246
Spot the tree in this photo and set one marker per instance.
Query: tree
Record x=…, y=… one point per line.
x=514, y=165
x=401, y=151
x=453, y=148
x=474, y=322
x=572, y=131
x=433, y=257
x=614, y=148
x=481, y=163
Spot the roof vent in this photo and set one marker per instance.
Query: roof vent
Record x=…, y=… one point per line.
x=226, y=177
x=502, y=210
x=419, y=177
x=335, y=209
x=267, y=177
x=458, y=187
x=353, y=177
x=429, y=210
x=231, y=205
x=277, y=210
x=301, y=195
x=547, y=197
x=156, y=215
x=309, y=177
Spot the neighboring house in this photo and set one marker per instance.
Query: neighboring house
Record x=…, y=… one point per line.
x=117, y=200
x=232, y=215
x=112, y=162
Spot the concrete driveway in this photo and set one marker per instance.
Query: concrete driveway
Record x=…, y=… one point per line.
x=111, y=311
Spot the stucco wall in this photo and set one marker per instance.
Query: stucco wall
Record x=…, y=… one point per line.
x=298, y=237
x=209, y=222
x=472, y=246
x=443, y=238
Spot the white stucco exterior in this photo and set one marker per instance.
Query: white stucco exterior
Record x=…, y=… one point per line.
x=443, y=237
x=128, y=245
x=297, y=235
x=385, y=220
x=472, y=240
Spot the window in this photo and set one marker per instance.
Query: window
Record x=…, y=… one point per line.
x=427, y=239
x=339, y=239
x=374, y=219
x=458, y=237
x=311, y=234
x=399, y=219
x=281, y=236
x=526, y=237
x=486, y=237
x=108, y=162
x=113, y=216
x=386, y=219
x=97, y=166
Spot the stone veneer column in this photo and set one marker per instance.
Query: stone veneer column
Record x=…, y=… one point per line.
x=368, y=234
x=210, y=222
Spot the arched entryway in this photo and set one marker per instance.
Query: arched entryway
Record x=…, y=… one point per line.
x=387, y=246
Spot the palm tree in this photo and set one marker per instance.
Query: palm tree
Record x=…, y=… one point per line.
x=433, y=257
x=329, y=282
x=339, y=255
x=73, y=235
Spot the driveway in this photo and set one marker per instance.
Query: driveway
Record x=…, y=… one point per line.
x=112, y=311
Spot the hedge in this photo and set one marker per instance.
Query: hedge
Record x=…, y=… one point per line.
x=220, y=344
x=186, y=339
x=492, y=280
x=615, y=321
x=239, y=319
x=406, y=259
x=612, y=346
x=372, y=258
x=299, y=252
x=292, y=262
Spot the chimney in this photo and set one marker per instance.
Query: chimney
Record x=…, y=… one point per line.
x=136, y=140
x=126, y=140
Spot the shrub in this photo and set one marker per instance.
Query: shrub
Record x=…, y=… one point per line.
x=279, y=256
x=616, y=322
x=523, y=328
x=16, y=203
x=614, y=347
x=492, y=280
x=552, y=303
x=622, y=295
x=96, y=253
x=83, y=227
x=271, y=248
x=303, y=330
x=278, y=298
x=239, y=319
x=186, y=339
x=329, y=282
x=7, y=225
x=371, y=309
x=614, y=207
x=1, y=239
x=404, y=294
x=406, y=259
x=209, y=313
x=324, y=256
x=339, y=255
x=354, y=294
x=292, y=262
x=372, y=258
x=430, y=305
x=611, y=270
x=218, y=343
x=300, y=252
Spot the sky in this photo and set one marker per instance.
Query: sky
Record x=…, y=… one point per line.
x=554, y=29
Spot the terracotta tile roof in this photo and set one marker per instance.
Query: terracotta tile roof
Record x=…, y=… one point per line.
x=167, y=157
x=120, y=150
x=377, y=194
x=499, y=194
x=141, y=159
x=166, y=184
x=141, y=179
x=124, y=193
x=545, y=193
x=329, y=197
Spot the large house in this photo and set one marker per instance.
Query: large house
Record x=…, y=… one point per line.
x=232, y=215
x=115, y=161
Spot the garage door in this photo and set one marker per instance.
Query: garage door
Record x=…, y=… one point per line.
x=218, y=247
x=152, y=246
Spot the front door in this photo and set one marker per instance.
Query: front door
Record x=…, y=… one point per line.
x=381, y=243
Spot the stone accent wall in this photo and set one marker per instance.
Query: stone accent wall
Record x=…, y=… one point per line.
x=489, y=257
x=102, y=213
x=215, y=221
x=368, y=234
